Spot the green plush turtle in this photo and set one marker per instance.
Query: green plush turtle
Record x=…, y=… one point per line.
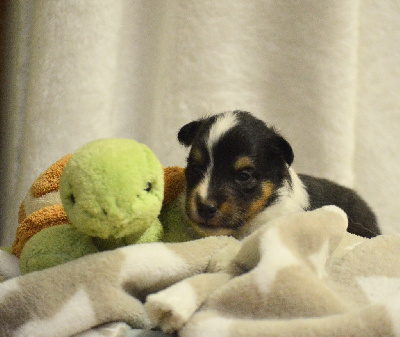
x=112, y=192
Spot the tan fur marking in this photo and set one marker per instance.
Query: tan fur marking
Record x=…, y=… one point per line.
x=49, y=180
x=226, y=207
x=243, y=163
x=257, y=205
x=196, y=156
x=190, y=201
x=35, y=222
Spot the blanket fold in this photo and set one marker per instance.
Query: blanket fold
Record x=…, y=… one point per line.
x=298, y=275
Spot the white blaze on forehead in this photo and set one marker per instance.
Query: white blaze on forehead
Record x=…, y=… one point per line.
x=223, y=123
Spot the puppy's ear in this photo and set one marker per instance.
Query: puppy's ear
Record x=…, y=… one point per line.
x=187, y=133
x=282, y=147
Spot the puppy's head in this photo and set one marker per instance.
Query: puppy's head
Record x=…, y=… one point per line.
x=234, y=168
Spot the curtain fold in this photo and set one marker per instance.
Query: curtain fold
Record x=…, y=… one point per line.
x=326, y=74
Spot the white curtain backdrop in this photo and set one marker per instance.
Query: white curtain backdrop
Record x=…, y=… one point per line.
x=325, y=73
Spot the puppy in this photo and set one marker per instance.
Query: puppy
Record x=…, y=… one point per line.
x=239, y=176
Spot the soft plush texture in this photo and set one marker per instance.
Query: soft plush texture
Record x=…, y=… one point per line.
x=112, y=192
x=53, y=246
x=42, y=206
x=113, y=188
x=298, y=275
x=324, y=72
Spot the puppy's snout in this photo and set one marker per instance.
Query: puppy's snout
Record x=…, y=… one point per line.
x=206, y=210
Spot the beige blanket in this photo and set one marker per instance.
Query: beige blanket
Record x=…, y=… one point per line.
x=300, y=275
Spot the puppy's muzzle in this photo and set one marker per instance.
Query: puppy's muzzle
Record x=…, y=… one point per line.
x=209, y=217
x=206, y=210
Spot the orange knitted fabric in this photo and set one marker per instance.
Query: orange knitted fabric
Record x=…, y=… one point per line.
x=174, y=183
x=47, y=216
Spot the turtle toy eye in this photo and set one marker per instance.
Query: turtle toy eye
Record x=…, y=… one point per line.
x=72, y=199
x=149, y=187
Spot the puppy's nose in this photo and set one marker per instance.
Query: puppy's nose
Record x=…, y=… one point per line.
x=206, y=210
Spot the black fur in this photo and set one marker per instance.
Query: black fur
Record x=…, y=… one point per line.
x=362, y=220
x=271, y=156
x=188, y=132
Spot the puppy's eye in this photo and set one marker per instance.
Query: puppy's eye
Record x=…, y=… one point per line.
x=243, y=176
x=246, y=179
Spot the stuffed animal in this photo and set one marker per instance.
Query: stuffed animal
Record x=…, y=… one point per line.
x=112, y=192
